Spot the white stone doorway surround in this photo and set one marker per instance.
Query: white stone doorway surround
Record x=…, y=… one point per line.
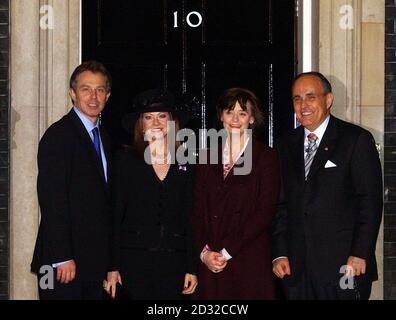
x=42, y=60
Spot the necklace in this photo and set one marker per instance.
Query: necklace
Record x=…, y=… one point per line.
x=161, y=170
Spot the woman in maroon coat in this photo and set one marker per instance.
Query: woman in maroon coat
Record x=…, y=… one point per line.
x=233, y=211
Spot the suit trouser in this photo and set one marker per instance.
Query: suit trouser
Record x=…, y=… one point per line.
x=75, y=290
x=310, y=288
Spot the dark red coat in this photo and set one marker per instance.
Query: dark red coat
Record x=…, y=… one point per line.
x=236, y=214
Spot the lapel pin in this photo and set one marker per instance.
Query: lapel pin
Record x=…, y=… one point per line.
x=326, y=148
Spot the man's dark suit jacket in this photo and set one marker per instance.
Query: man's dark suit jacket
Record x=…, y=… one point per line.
x=74, y=200
x=336, y=212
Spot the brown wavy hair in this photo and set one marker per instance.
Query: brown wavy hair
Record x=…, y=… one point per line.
x=230, y=97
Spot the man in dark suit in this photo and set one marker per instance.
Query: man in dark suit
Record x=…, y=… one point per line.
x=330, y=206
x=71, y=252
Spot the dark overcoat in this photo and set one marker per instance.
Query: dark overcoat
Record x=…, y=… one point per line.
x=74, y=200
x=336, y=212
x=236, y=214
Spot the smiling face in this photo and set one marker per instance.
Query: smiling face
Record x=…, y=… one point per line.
x=311, y=103
x=155, y=124
x=90, y=94
x=236, y=120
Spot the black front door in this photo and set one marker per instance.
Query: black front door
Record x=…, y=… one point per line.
x=196, y=49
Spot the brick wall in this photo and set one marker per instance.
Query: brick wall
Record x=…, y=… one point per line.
x=390, y=153
x=4, y=149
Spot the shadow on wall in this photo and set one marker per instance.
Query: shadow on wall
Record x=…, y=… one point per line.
x=343, y=108
x=15, y=116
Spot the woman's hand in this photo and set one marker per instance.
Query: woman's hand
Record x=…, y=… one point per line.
x=190, y=283
x=214, y=261
x=111, y=284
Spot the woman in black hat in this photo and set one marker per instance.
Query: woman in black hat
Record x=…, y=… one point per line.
x=153, y=252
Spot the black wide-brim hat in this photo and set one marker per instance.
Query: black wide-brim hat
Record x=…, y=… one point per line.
x=154, y=100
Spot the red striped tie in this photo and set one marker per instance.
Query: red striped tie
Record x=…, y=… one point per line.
x=226, y=169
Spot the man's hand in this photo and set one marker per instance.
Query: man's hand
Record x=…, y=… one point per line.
x=66, y=272
x=214, y=261
x=356, y=265
x=281, y=267
x=110, y=284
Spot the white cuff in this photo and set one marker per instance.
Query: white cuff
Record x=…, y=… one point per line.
x=55, y=265
x=204, y=250
x=282, y=257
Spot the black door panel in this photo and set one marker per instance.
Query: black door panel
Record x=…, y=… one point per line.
x=248, y=43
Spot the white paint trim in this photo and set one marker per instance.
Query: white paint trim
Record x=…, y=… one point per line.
x=307, y=36
x=80, y=35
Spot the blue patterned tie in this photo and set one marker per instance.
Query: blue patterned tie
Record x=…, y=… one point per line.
x=311, y=151
x=96, y=142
